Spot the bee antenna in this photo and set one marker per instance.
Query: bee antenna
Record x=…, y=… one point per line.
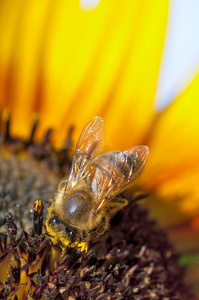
x=135, y=198
x=139, y=197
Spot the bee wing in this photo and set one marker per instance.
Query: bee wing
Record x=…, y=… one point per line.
x=90, y=143
x=113, y=171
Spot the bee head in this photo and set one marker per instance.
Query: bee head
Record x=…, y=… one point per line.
x=65, y=233
x=61, y=232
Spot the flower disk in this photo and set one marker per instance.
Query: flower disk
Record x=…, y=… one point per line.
x=133, y=260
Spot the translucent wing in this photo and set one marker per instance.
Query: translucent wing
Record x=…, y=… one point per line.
x=113, y=171
x=90, y=143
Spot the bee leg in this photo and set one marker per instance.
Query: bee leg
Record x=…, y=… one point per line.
x=62, y=185
x=120, y=201
x=116, y=204
x=103, y=226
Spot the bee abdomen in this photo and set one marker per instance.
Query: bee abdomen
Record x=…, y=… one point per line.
x=116, y=165
x=114, y=170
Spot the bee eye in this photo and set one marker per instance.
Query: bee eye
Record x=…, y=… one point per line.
x=54, y=220
x=72, y=233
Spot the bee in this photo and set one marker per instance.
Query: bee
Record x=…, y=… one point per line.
x=85, y=202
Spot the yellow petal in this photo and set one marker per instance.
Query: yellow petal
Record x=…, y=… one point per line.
x=130, y=114
x=7, y=8
x=119, y=82
x=72, y=64
x=22, y=41
x=172, y=170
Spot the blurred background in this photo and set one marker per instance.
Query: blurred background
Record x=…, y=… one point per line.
x=136, y=64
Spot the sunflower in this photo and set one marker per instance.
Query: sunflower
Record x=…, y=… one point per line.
x=60, y=65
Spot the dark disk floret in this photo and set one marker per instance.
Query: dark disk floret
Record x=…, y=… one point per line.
x=132, y=260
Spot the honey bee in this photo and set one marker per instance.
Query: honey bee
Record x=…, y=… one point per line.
x=85, y=202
